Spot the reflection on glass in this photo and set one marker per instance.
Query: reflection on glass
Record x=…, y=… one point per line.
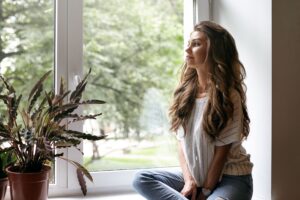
x=134, y=48
x=26, y=43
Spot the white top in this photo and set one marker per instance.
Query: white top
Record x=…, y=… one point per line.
x=199, y=148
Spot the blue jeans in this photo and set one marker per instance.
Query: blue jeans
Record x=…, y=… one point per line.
x=164, y=185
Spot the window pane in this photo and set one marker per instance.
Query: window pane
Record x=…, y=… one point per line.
x=26, y=44
x=134, y=48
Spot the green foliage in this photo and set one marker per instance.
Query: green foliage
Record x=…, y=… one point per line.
x=6, y=159
x=44, y=125
x=135, y=45
x=26, y=42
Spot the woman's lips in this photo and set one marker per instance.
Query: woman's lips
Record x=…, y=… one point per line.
x=188, y=57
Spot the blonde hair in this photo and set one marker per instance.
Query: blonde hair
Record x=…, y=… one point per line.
x=225, y=72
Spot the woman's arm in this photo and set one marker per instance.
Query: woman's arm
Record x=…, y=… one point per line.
x=216, y=167
x=190, y=186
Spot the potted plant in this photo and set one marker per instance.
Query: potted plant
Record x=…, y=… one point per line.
x=35, y=131
x=5, y=160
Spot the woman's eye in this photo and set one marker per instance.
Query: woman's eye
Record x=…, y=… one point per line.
x=196, y=44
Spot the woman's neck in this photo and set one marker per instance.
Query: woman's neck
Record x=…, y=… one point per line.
x=201, y=95
x=202, y=81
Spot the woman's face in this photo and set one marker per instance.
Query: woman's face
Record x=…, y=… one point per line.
x=196, y=51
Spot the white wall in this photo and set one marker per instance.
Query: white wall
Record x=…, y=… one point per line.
x=250, y=24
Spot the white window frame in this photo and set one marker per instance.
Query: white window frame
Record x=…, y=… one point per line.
x=69, y=65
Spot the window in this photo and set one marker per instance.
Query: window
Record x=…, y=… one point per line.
x=133, y=47
x=128, y=47
x=135, y=51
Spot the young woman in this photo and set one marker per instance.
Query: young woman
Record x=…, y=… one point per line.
x=209, y=116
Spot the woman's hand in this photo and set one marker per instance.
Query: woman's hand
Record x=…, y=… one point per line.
x=201, y=197
x=189, y=189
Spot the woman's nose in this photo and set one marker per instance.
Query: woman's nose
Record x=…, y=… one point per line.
x=188, y=48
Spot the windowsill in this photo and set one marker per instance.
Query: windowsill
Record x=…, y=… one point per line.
x=107, y=196
x=131, y=196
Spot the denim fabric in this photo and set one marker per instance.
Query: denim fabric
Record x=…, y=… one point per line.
x=233, y=188
x=159, y=185
x=164, y=185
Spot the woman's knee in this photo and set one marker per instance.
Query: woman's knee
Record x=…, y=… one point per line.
x=217, y=198
x=140, y=179
x=221, y=198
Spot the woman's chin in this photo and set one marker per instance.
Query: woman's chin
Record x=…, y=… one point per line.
x=191, y=65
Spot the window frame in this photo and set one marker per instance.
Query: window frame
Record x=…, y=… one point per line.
x=69, y=66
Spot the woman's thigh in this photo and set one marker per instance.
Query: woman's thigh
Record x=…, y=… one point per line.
x=159, y=185
x=172, y=179
x=233, y=188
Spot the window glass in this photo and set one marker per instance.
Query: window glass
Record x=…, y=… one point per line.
x=26, y=44
x=134, y=49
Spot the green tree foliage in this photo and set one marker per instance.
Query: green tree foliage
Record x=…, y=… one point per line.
x=132, y=46
x=27, y=41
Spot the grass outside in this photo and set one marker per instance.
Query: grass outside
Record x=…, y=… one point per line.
x=162, y=153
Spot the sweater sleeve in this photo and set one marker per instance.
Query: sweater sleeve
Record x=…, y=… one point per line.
x=233, y=130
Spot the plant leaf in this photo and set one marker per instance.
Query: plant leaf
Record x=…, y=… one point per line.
x=49, y=99
x=9, y=87
x=82, y=117
x=64, y=110
x=26, y=119
x=58, y=99
x=93, y=101
x=82, y=169
x=39, y=110
x=13, y=105
x=4, y=98
x=38, y=83
x=65, y=141
x=77, y=93
x=36, y=95
x=82, y=135
x=81, y=181
x=4, y=140
x=3, y=128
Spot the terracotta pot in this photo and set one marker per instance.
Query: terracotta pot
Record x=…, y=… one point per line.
x=28, y=186
x=3, y=186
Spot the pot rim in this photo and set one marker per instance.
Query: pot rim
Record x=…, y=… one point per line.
x=45, y=168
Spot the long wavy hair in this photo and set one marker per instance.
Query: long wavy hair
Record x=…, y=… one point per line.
x=225, y=72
